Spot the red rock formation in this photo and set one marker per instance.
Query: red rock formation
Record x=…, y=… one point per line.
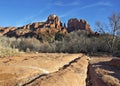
x=75, y=24
x=51, y=27
x=4, y=30
x=54, y=21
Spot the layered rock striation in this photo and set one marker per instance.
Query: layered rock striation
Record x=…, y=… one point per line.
x=49, y=28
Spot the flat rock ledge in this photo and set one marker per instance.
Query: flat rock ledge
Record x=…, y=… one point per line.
x=72, y=74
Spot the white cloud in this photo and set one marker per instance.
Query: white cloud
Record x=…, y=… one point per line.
x=67, y=4
x=32, y=18
x=74, y=10
x=97, y=4
x=39, y=20
x=105, y=3
x=61, y=16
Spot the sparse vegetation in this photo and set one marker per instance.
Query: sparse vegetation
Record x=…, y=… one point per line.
x=74, y=42
x=5, y=49
x=79, y=41
x=7, y=52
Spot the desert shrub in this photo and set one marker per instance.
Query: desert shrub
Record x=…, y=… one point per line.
x=8, y=52
x=47, y=38
x=60, y=46
x=74, y=42
x=59, y=36
x=28, y=43
x=5, y=49
x=45, y=47
x=71, y=43
x=80, y=41
x=28, y=50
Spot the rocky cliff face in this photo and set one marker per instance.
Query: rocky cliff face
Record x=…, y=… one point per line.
x=49, y=28
x=4, y=30
x=75, y=24
x=54, y=22
x=52, y=26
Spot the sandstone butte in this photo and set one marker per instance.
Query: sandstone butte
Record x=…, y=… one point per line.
x=51, y=26
x=75, y=24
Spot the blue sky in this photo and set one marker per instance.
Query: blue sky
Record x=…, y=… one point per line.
x=21, y=12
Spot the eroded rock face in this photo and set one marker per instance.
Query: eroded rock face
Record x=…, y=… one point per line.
x=54, y=21
x=52, y=26
x=49, y=28
x=4, y=30
x=75, y=24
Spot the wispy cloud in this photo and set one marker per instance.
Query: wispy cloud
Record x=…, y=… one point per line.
x=67, y=4
x=39, y=20
x=77, y=3
x=63, y=15
x=101, y=4
x=96, y=4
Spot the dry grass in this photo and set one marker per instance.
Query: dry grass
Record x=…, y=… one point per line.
x=8, y=52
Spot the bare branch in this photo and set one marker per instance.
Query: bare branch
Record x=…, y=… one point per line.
x=115, y=22
x=100, y=27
